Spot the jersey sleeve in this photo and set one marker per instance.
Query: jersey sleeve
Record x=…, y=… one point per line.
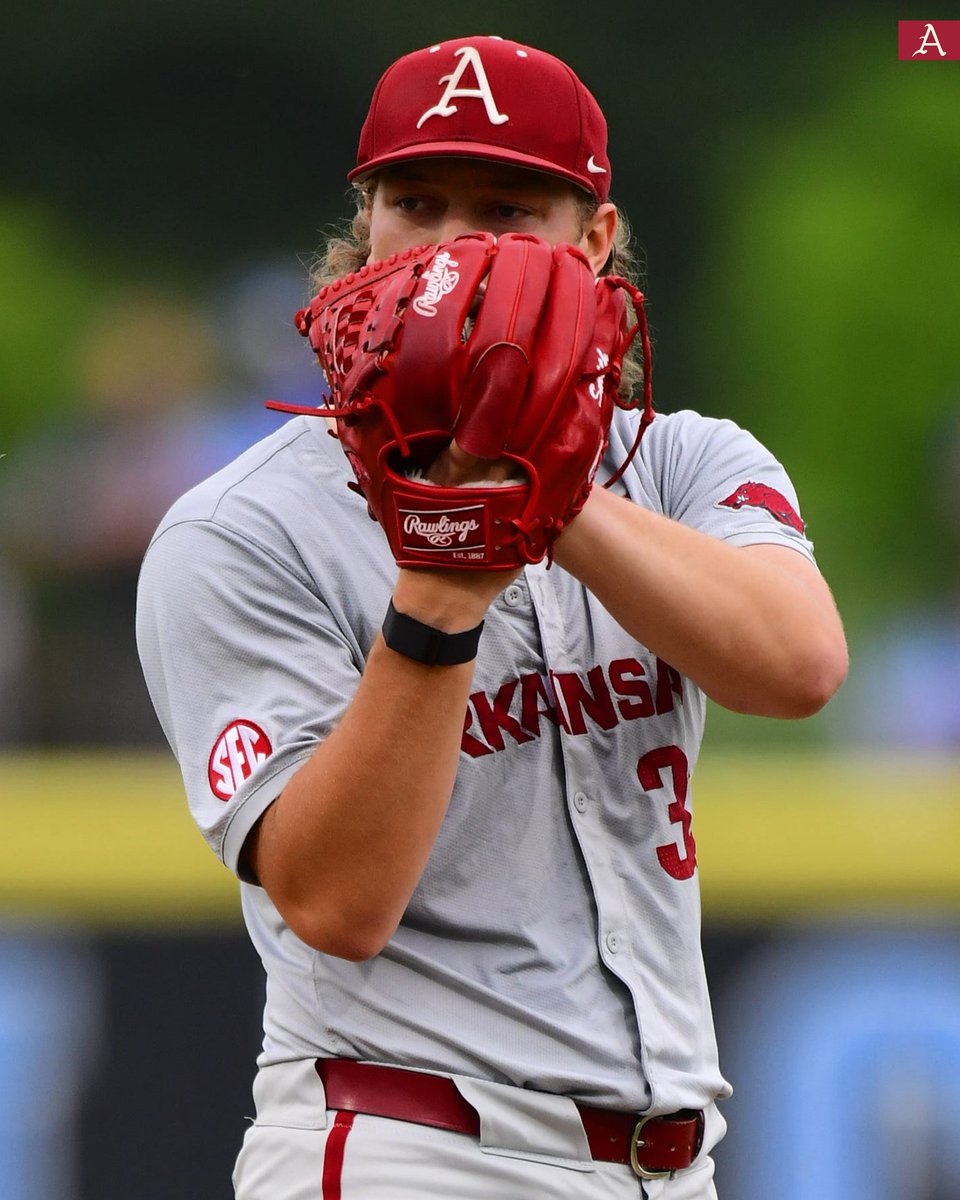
x=246, y=666
x=713, y=475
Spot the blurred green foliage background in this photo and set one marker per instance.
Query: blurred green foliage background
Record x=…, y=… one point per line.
x=794, y=190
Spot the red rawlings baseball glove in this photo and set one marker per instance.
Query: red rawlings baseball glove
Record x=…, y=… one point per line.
x=507, y=345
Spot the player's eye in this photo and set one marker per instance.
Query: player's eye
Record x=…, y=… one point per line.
x=408, y=203
x=510, y=212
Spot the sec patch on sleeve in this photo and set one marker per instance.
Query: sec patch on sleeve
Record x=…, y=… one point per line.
x=238, y=750
x=761, y=495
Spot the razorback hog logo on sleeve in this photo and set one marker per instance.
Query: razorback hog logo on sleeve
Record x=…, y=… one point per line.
x=761, y=495
x=238, y=750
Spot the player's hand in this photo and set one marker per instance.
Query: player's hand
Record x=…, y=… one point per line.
x=454, y=467
x=449, y=599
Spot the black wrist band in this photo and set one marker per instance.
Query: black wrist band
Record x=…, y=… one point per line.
x=424, y=644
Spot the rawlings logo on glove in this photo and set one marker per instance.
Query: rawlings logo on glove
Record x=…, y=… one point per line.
x=507, y=346
x=440, y=280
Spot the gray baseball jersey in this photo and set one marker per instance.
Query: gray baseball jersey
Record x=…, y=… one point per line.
x=553, y=941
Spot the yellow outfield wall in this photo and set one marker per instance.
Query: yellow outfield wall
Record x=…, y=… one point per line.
x=106, y=839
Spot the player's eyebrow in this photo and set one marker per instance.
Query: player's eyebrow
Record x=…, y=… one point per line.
x=404, y=175
x=514, y=181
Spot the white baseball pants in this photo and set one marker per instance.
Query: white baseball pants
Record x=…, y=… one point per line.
x=298, y=1150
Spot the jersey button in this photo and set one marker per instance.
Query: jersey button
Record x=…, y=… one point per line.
x=613, y=942
x=580, y=801
x=513, y=595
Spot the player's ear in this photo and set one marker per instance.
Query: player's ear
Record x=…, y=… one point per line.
x=596, y=240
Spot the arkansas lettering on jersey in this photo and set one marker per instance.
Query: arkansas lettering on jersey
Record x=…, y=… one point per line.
x=606, y=695
x=237, y=750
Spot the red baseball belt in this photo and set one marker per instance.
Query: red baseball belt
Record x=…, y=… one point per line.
x=652, y=1146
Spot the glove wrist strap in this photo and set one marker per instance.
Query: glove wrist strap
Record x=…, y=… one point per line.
x=425, y=644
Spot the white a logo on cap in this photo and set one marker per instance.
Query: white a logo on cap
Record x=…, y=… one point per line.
x=469, y=57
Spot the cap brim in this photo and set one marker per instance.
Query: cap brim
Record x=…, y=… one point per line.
x=472, y=150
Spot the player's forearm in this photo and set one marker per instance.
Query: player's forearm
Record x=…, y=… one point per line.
x=758, y=631
x=342, y=849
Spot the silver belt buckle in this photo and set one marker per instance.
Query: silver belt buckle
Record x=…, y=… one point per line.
x=637, y=1143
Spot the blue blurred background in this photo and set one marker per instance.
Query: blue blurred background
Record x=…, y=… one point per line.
x=168, y=172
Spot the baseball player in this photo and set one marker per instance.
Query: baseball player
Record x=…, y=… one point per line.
x=457, y=789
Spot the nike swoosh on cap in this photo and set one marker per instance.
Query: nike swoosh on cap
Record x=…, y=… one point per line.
x=593, y=168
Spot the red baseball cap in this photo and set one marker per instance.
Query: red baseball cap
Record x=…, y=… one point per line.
x=486, y=97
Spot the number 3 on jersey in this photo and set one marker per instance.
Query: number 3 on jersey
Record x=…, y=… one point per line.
x=650, y=772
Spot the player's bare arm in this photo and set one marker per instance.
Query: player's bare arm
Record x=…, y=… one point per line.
x=341, y=850
x=694, y=601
